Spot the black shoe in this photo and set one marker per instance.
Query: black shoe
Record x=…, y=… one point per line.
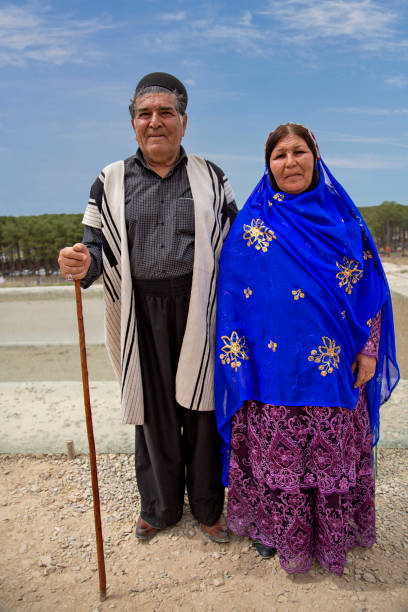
x=264, y=551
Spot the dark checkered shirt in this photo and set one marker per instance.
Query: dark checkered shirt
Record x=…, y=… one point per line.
x=159, y=214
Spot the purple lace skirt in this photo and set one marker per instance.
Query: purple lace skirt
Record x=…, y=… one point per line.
x=302, y=481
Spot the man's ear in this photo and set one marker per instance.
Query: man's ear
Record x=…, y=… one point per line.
x=184, y=123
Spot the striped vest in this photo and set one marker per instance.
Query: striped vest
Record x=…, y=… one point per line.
x=195, y=372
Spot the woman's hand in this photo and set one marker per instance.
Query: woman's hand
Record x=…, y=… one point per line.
x=365, y=367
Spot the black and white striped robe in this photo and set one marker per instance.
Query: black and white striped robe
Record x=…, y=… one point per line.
x=195, y=372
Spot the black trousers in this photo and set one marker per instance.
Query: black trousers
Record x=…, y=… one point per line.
x=176, y=447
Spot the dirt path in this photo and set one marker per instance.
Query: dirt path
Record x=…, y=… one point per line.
x=48, y=560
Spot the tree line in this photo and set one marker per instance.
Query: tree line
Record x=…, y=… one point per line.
x=32, y=243
x=388, y=223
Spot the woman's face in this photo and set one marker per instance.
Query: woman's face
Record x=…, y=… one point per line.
x=292, y=164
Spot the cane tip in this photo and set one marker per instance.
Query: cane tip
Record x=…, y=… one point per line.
x=102, y=595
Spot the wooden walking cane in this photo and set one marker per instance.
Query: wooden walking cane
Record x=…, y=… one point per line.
x=91, y=443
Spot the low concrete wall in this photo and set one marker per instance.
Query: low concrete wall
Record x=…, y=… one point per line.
x=400, y=308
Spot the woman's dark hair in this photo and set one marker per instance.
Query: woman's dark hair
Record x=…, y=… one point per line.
x=282, y=131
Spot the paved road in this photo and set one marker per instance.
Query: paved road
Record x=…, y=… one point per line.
x=397, y=277
x=36, y=316
x=47, y=315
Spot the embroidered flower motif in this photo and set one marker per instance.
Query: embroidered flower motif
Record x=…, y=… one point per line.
x=272, y=345
x=349, y=274
x=297, y=293
x=369, y=322
x=328, y=356
x=300, y=540
x=257, y=233
x=234, y=349
x=279, y=197
x=301, y=433
x=343, y=314
x=248, y=292
x=367, y=255
x=322, y=458
x=284, y=456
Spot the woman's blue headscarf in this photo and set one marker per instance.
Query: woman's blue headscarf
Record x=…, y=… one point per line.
x=300, y=282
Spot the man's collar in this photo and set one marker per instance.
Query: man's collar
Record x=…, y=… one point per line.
x=139, y=158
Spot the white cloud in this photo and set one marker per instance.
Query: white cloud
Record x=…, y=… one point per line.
x=232, y=34
x=367, y=162
x=397, y=81
x=232, y=157
x=246, y=19
x=328, y=18
x=370, y=111
x=17, y=17
x=190, y=82
x=235, y=33
x=192, y=63
x=297, y=25
x=370, y=23
x=28, y=33
x=180, y=16
x=354, y=138
x=227, y=34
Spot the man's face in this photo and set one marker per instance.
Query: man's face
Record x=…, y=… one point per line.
x=158, y=127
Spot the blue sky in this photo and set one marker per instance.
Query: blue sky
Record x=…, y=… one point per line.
x=68, y=70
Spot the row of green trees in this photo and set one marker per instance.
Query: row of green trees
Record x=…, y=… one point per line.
x=388, y=224
x=32, y=243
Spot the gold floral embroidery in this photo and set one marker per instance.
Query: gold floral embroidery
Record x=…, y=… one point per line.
x=297, y=293
x=257, y=233
x=233, y=349
x=349, y=274
x=328, y=356
x=248, y=292
x=343, y=314
x=367, y=255
x=278, y=196
x=369, y=322
x=272, y=345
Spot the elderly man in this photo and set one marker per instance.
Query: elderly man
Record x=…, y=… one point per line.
x=154, y=227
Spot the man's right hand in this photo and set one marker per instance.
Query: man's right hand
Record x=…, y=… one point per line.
x=74, y=261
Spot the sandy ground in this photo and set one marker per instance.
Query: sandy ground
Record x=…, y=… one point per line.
x=48, y=559
x=40, y=417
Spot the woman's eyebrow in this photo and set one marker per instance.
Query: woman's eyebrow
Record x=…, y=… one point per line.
x=283, y=149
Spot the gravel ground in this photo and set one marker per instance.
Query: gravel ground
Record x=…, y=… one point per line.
x=48, y=559
x=47, y=543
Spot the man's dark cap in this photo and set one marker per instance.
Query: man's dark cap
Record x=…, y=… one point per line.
x=162, y=79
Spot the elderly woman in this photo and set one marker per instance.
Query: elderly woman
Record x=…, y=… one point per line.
x=305, y=357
